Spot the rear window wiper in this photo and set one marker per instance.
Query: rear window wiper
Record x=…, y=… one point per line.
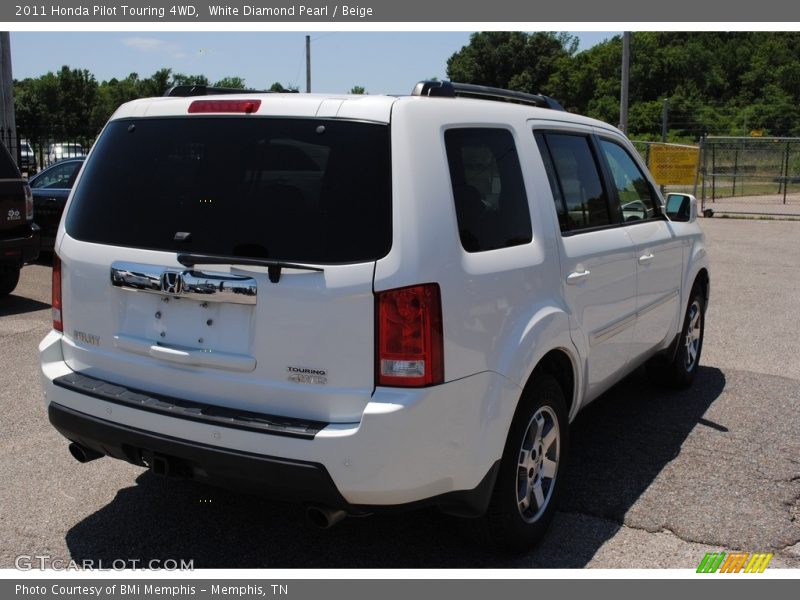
x=273, y=266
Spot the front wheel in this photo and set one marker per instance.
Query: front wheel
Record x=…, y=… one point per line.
x=531, y=470
x=680, y=372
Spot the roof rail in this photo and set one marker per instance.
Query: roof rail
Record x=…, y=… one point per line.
x=449, y=89
x=207, y=90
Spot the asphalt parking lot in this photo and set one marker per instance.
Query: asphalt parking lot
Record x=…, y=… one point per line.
x=657, y=478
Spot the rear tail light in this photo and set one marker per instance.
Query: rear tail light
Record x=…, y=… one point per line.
x=58, y=324
x=224, y=106
x=409, y=337
x=28, y=202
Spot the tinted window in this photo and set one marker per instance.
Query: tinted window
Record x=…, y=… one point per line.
x=488, y=191
x=579, y=186
x=634, y=192
x=558, y=199
x=291, y=189
x=58, y=176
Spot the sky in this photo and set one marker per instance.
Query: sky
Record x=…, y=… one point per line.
x=385, y=62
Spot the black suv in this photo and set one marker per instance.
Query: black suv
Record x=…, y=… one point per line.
x=19, y=237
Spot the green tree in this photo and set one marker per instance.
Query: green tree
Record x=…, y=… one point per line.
x=231, y=82
x=110, y=94
x=724, y=83
x=155, y=85
x=71, y=104
x=515, y=60
x=278, y=87
x=181, y=79
x=358, y=90
x=59, y=104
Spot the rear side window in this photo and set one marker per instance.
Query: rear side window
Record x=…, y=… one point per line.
x=488, y=191
x=574, y=177
x=290, y=189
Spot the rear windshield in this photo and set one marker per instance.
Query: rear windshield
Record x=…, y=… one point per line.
x=310, y=190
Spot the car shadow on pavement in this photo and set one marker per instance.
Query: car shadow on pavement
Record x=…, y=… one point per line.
x=620, y=444
x=17, y=305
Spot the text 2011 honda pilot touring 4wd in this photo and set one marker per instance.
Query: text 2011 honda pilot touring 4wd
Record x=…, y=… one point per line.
x=364, y=302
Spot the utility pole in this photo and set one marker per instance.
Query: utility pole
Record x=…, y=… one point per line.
x=308, y=64
x=623, y=96
x=664, y=120
x=8, y=135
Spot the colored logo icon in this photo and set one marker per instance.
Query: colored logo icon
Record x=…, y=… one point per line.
x=736, y=562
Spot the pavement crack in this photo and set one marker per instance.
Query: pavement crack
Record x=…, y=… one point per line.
x=688, y=540
x=653, y=530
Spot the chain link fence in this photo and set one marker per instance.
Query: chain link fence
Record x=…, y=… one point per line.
x=750, y=175
x=731, y=175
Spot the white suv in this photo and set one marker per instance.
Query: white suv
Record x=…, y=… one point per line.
x=364, y=302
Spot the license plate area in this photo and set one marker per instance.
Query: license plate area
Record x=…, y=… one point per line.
x=189, y=324
x=186, y=309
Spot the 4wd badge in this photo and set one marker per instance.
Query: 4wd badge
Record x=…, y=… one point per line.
x=306, y=375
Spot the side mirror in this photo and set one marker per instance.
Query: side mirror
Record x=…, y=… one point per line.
x=682, y=208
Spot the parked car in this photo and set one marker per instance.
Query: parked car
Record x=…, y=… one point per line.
x=27, y=158
x=62, y=150
x=51, y=188
x=364, y=303
x=19, y=237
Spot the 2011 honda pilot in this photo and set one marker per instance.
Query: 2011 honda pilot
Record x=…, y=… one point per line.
x=365, y=302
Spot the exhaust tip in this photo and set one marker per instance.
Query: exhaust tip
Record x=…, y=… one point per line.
x=323, y=517
x=83, y=454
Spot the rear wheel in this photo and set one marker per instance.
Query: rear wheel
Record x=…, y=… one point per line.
x=531, y=470
x=9, y=277
x=680, y=372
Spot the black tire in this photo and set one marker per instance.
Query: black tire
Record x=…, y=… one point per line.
x=679, y=373
x=508, y=524
x=9, y=277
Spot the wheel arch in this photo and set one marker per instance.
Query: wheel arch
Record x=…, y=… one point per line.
x=702, y=279
x=697, y=271
x=560, y=364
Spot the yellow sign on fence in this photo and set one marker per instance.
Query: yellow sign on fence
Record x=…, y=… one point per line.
x=673, y=165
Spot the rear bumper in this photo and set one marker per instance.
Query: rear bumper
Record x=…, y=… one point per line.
x=21, y=249
x=280, y=478
x=435, y=446
x=286, y=479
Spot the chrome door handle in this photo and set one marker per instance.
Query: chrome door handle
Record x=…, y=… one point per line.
x=646, y=259
x=577, y=276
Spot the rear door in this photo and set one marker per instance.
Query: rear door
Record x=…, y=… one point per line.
x=597, y=262
x=230, y=260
